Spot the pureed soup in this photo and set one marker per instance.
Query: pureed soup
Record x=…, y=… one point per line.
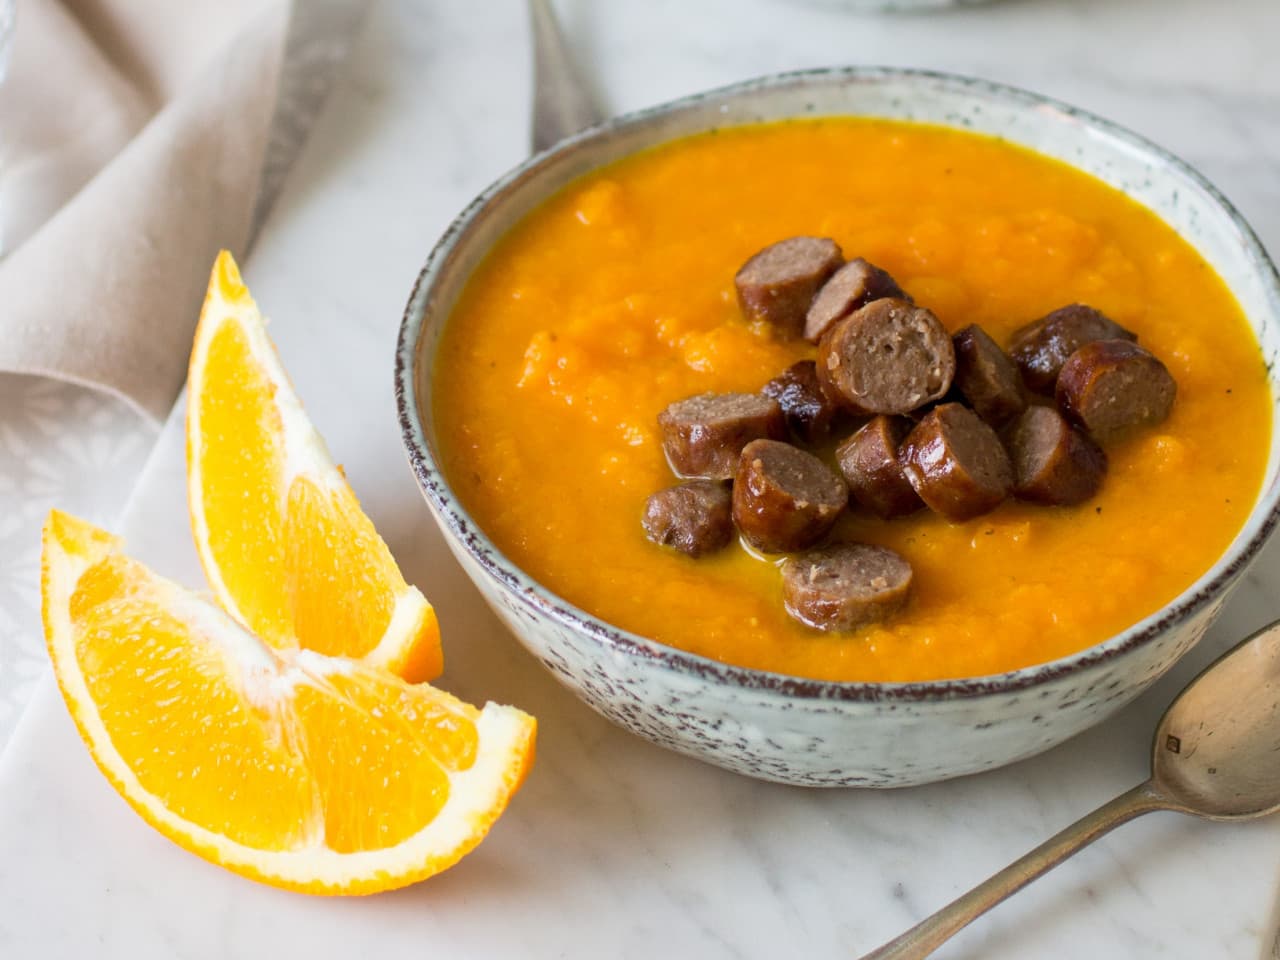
x=616, y=297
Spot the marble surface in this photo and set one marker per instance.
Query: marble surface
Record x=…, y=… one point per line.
x=615, y=847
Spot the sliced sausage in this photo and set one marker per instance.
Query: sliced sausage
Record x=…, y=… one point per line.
x=1053, y=462
x=785, y=499
x=694, y=517
x=846, y=586
x=703, y=435
x=986, y=377
x=1112, y=386
x=956, y=463
x=809, y=410
x=872, y=470
x=889, y=357
x=1041, y=347
x=778, y=283
x=850, y=288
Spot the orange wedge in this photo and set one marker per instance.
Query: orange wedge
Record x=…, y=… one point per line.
x=284, y=543
x=313, y=773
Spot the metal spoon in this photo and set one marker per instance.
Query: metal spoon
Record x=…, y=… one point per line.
x=561, y=103
x=1216, y=755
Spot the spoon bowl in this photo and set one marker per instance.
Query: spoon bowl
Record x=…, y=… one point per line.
x=1217, y=749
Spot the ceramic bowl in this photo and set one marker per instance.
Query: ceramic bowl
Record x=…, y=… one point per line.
x=813, y=732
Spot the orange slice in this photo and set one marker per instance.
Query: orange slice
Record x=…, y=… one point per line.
x=284, y=543
x=313, y=773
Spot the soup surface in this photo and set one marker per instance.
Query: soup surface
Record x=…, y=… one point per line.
x=616, y=298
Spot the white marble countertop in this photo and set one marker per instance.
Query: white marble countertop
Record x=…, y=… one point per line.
x=616, y=847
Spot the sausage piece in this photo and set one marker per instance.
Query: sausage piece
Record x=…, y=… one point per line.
x=1041, y=347
x=872, y=470
x=956, y=463
x=778, y=283
x=694, y=517
x=986, y=377
x=845, y=586
x=785, y=499
x=808, y=409
x=703, y=435
x=1112, y=386
x=889, y=357
x=850, y=288
x=1053, y=463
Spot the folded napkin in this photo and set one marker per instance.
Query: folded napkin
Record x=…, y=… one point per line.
x=140, y=136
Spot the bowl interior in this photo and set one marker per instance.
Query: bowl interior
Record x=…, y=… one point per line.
x=1146, y=173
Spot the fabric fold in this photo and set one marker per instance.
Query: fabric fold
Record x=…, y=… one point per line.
x=151, y=147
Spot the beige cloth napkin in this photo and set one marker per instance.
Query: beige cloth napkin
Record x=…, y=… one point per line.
x=134, y=137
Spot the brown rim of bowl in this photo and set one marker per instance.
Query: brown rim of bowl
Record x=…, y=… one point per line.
x=531, y=594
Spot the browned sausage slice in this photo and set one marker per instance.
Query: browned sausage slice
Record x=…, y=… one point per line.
x=809, y=410
x=1053, y=462
x=850, y=288
x=703, y=435
x=778, y=283
x=785, y=499
x=846, y=586
x=869, y=462
x=956, y=463
x=888, y=357
x=695, y=517
x=1112, y=386
x=1041, y=347
x=986, y=377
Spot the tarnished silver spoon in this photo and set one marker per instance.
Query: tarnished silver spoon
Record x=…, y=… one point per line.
x=1216, y=755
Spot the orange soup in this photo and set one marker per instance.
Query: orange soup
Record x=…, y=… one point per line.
x=616, y=297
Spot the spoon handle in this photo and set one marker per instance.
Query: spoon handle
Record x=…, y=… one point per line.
x=926, y=936
x=561, y=103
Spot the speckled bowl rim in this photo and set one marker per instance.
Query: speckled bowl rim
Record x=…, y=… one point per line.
x=1212, y=584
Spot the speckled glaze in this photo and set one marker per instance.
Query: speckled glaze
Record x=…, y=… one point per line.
x=810, y=732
